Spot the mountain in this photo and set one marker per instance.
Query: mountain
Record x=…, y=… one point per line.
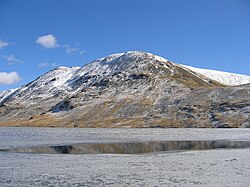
x=131, y=89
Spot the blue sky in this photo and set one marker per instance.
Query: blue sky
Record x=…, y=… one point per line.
x=36, y=36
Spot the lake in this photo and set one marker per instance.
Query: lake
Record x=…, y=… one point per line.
x=155, y=164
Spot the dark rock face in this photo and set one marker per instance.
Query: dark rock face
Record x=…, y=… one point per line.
x=133, y=89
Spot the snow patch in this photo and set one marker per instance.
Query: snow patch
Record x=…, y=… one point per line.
x=5, y=94
x=230, y=79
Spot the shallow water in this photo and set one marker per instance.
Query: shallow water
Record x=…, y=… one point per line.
x=132, y=148
x=13, y=137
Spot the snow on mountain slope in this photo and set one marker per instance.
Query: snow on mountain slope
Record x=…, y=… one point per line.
x=120, y=61
x=230, y=79
x=124, y=63
x=52, y=83
x=5, y=94
x=135, y=89
x=64, y=80
x=117, y=62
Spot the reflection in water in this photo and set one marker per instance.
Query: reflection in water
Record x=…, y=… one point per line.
x=132, y=148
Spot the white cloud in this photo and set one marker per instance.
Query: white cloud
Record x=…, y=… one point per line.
x=82, y=52
x=9, y=78
x=3, y=44
x=73, y=50
x=46, y=64
x=11, y=59
x=47, y=41
x=43, y=65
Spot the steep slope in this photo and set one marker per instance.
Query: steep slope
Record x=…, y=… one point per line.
x=6, y=93
x=134, y=62
x=230, y=79
x=132, y=89
x=37, y=96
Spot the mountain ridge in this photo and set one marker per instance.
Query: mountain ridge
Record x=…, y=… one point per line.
x=227, y=78
x=133, y=89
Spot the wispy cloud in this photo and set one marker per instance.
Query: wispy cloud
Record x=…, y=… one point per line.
x=3, y=44
x=73, y=50
x=9, y=78
x=46, y=64
x=11, y=59
x=47, y=41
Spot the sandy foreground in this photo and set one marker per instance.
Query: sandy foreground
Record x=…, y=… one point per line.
x=220, y=167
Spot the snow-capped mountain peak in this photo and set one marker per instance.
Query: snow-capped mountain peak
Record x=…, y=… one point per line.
x=135, y=89
x=65, y=80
